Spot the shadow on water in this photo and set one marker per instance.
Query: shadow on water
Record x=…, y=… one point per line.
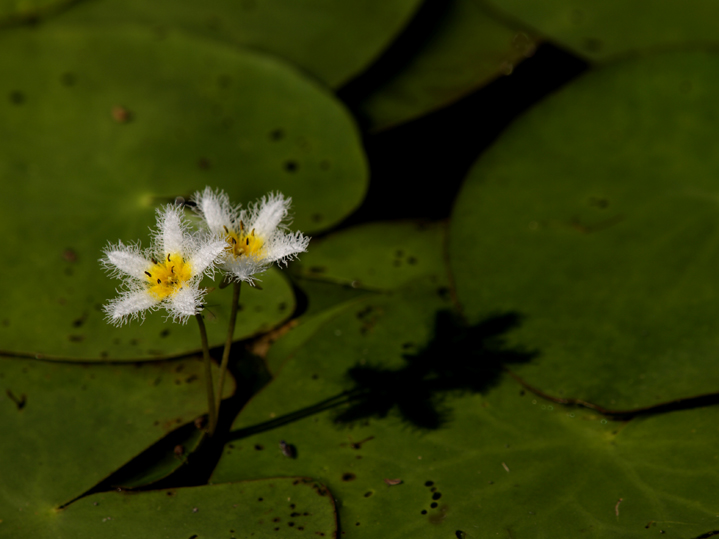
x=458, y=360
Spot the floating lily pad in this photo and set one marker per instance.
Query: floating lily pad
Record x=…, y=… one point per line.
x=251, y=508
x=595, y=217
x=67, y=427
x=102, y=128
x=334, y=41
x=377, y=255
x=468, y=48
x=500, y=463
x=604, y=30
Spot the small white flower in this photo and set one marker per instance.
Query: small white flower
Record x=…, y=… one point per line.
x=167, y=275
x=257, y=237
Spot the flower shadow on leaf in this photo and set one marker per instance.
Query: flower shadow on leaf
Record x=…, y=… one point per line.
x=458, y=360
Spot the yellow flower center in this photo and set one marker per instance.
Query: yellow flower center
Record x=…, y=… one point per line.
x=168, y=276
x=243, y=244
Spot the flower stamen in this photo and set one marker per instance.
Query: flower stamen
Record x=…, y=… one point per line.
x=168, y=278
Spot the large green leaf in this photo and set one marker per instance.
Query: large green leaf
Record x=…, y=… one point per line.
x=604, y=30
x=595, y=216
x=199, y=113
x=249, y=509
x=66, y=427
x=334, y=41
x=502, y=463
x=468, y=49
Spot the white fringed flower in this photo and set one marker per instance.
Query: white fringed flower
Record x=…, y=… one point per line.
x=166, y=275
x=257, y=237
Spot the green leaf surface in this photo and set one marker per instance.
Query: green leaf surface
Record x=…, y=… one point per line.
x=468, y=48
x=377, y=256
x=595, y=217
x=24, y=11
x=67, y=426
x=602, y=31
x=192, y=113
x=324, y=301
x=502, y=464
x=248, y=509
x=333, y=41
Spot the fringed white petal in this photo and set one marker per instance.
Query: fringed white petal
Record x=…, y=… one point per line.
x=203, y=260
x=171, y=236
x=215, y=209
x=130, y=305
x=184, y=303
x=244, y=269
x=123, y=259
x=285, y=247
x=268, y=216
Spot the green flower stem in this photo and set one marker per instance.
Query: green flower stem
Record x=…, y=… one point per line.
x=228, y=341
x=208, y=376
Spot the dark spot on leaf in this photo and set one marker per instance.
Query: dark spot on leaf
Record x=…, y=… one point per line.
x=521, y=393
x=424, y=511
x=324, y=164
x=290, y=524
x=436, y=495
x=17, y=98
x=411, y=261
x=295, y=514
x=76, y=338
x=433, y=489
x=592, y=44
x=282, y=306
x=104, y=355
x=68, y=79
x=277, y=519
x=133, y=342
x=301, y=528
x=317, y=269
x=368, y=494
x=19, y=402
x=277, y=529
x=443, y=292
x=260, y=499
x=357, y=523
x=277, y=134
x=399, y=253
x=121, y=115
x=460, y=534
x=178, y=382
x=306, y=514
x=434, y=505
x=164, y=333
x=191, y=378
x=223, y=81
x=79, y=321
x=291, y=166
x=69, y=255
x=203, y=163
x=194, y=536
x=292, y=506
x=348, y=476
x=170, y=492
x=490, y=482
x=358, y=457
x=428, y=483
x=315, y=377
